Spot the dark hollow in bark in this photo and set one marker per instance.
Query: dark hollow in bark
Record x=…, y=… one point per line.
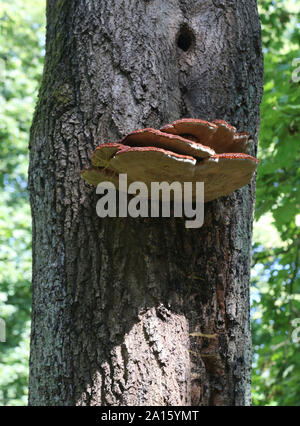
x=117, y=302
x=185, y=39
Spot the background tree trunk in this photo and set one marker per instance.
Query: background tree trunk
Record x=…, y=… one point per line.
x=115, y=301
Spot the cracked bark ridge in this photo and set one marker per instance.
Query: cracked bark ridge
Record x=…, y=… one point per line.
x=114, y=300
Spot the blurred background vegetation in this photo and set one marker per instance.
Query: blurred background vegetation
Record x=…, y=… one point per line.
x=276, y=249
x=22, y=34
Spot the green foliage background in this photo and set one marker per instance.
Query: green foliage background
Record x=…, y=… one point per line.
x=21, y=59
x=276, y=251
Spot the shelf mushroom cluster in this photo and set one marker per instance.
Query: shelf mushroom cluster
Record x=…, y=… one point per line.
x=188, y=150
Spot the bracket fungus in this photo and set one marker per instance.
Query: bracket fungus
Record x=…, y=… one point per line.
x=188, y=150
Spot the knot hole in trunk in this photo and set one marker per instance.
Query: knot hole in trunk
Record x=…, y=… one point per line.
x=185, y=38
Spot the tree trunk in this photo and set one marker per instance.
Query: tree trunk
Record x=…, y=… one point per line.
x=116, y=301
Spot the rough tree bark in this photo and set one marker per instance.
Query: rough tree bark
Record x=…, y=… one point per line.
x=115, y=301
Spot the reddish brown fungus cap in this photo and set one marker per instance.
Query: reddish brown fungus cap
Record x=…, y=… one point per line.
x=219, y=135
x=175, y=143
x=200, y=130
x=143, y=164
x=103, y=153
x=177, y=153
x=224, y=173
x=152, y=164
x=221, y=174
x=96, y=175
